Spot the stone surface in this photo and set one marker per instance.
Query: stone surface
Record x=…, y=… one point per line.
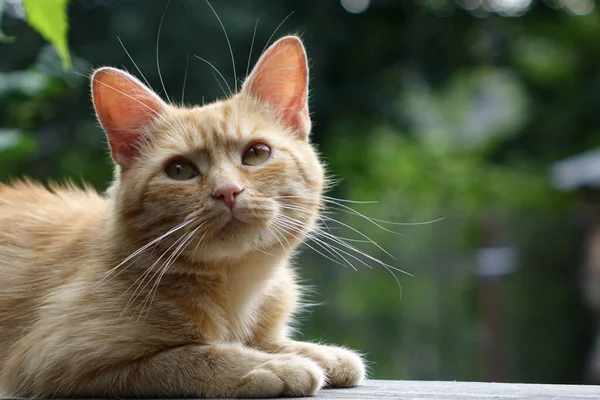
x=402, y=390
x=416, y=390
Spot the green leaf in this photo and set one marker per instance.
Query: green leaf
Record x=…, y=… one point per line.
x=49, y=18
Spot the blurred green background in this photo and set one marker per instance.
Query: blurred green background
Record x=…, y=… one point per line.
x=432, y=108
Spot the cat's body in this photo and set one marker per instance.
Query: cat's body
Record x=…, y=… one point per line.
x=178, y=282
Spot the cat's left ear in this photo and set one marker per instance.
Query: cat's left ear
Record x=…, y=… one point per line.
x=124, y=106
x=280, y=79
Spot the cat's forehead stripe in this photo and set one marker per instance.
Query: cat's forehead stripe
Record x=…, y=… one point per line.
x=222, y=125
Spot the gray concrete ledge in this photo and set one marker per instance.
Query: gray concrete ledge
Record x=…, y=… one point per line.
x=416, y=390
x=402, y=390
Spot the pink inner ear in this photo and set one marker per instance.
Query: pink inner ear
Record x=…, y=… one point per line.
x=124, y=106
x=281, y=79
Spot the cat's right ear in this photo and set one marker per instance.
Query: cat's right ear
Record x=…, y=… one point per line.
x=124, y=105
x=280, y=79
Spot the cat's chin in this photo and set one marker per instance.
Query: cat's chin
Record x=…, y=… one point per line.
x=233, y=227
x=236, y=239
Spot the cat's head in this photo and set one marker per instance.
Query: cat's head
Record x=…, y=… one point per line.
x=241, y=173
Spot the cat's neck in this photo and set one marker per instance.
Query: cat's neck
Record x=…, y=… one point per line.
x=229, y=287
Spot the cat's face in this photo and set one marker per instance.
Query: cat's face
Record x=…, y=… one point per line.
x=240, y=173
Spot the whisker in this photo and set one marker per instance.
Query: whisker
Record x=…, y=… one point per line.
x=353, y=211
x=350, y=247
x=251, y=47
x=408, y=223
x=388, y=267
x=375, y=221
x=168, y=263
x=187, y=63
x=217, y=71
x=332, y=249
x=140, y=250
x=157, y=42
x=297, y=208
x=198, y=244
x=228, y=44
x=313, y=249
x=341, y=207
x=284, y=222
x=151, y=111
x=138, y=291
x=133, y=62
x=351, y=201
x=221, y=86
x=274, y=32
x=279, y=233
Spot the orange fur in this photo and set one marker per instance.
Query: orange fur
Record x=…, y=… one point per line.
x=206, y=309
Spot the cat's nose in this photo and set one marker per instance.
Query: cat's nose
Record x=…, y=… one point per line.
x=228, y=194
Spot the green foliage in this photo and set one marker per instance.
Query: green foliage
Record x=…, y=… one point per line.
x=3, y=37
x=14, y=145
x=50, y=19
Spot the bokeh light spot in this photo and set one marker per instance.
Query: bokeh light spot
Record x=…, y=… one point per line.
x=356, y=6
x=578, y=7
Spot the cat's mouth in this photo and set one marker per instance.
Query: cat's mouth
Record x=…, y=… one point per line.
x=236, y=224
x=231, y=225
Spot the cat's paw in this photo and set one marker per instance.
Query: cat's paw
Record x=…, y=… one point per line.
x=343, y=368
x=285, y=375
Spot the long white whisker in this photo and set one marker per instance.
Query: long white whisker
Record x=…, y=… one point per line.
x=343, y=243
x=374, y=220
x=251, y=48
x=139, y=289
x=309, y=246
x=133, y=62
x=351, y=201
x=337, y=240
x=216, y=70
x=187, y=64
x=334, y=250
x=228, y=44
x=157, y=59
x=221, y=86
x=408, y=223
x=151, y=111
x=297, y=208
x=198, y=244
x=388, y=267
x=287, y=222
x=334, y=200
x=168, y=263
x=341, y=207
x=275, y=31
x=108, y=273
x=279, y=233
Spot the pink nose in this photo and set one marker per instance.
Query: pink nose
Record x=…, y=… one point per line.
x=228, y=194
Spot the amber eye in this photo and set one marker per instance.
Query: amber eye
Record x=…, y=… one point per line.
x=256, y=154
x=181, y=170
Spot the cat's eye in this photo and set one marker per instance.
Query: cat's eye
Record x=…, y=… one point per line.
x=181, y=170
x=256, y=153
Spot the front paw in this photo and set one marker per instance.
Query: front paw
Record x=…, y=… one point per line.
x=284, y=376
x=343, y=368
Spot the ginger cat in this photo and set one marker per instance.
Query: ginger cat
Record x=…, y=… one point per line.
x=177, y=282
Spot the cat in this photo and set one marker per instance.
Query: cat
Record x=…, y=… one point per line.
x=178, y=281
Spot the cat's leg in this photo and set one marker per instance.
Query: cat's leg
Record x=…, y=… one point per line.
x=224, y=370
x=343, y=367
